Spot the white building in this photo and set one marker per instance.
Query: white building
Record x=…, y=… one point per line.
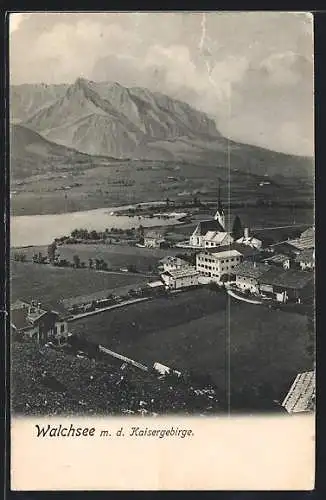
x=217, y=263
x=181, y=278
x=250, y=241
x=171, y=263
x=153, y=239
x=211, y=233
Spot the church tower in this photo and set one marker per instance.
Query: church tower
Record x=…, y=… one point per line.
x=220, y=216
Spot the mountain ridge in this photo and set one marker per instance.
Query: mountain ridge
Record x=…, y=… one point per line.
x=108, y=119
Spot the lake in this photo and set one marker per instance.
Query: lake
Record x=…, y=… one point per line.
x=29, y=230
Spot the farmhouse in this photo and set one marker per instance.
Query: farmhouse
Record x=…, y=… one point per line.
x=170, y=263
x=218, y=263
x=301, y=396
x=247, y=275
x=181, y=278
x=289, y=285
x=34, y=322
x=306, y=259
x=154, y=239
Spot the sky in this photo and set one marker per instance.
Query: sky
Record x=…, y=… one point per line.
x=252, y=72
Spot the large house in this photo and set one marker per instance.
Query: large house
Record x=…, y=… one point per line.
x=247, y=275
x=218, y=263
x=289, y=285
x=154, y=239
x=302, y=393
x=32, y=321
x=181, y=278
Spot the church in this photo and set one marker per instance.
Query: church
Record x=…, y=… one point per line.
x=211, y=233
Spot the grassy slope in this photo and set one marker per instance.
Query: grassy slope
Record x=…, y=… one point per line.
x=32, y=281
x=198, y=329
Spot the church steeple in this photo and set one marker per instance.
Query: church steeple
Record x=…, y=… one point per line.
x=219, y=215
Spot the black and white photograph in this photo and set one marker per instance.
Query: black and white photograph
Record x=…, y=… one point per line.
x=162, y=234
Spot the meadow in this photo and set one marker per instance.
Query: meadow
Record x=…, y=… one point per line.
x=242, y=346
x=52, y=284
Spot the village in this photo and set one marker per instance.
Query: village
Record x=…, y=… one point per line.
x=239, y=264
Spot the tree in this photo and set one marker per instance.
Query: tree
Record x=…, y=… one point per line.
x=76, y=261
x=237, y=229
x=141, y=233
x=52, y=252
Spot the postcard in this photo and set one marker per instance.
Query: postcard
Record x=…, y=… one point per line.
x=162, y=257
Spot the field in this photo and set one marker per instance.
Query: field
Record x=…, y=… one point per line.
x=241, y=345
x=51, y=285
x=116, y=256
x=136, y=181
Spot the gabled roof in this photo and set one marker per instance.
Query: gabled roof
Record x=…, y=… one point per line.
x=301, y=394
x=278, y=258
x=250, y=269
x=19, y=319
x=209, y=225
x=154, y=234
x=307, y=255
x=182, y=273
x=291, y=278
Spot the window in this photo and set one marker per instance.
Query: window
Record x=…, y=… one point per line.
x=62, y=328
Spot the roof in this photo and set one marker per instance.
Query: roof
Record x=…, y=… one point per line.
x=182, y=273
x=215, y=236
x=226, y=253
x=169, y=259
x=155, y=284
x=301, y=394
x=308, y=233
x=290, y=278
x=18, y=304
x=249, y=239
x=245, y=250
x=19, y=319
x=250, y=269
x=154, y=234
x=209, y=225
x=278, y=258
x=307, y=255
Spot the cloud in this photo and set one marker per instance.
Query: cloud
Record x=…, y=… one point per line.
x=251, y=71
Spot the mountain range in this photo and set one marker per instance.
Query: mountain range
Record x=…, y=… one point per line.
x=87, y=119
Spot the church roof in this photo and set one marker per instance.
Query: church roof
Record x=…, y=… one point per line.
x=209, y=225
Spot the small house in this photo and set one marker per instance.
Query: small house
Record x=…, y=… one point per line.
x=32, y=321
x=154, y=239
x=171, y=263
x=306, y=259
x=181, y=278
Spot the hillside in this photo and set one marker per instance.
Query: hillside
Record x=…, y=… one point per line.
x=32, y=154
x=108, y=119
